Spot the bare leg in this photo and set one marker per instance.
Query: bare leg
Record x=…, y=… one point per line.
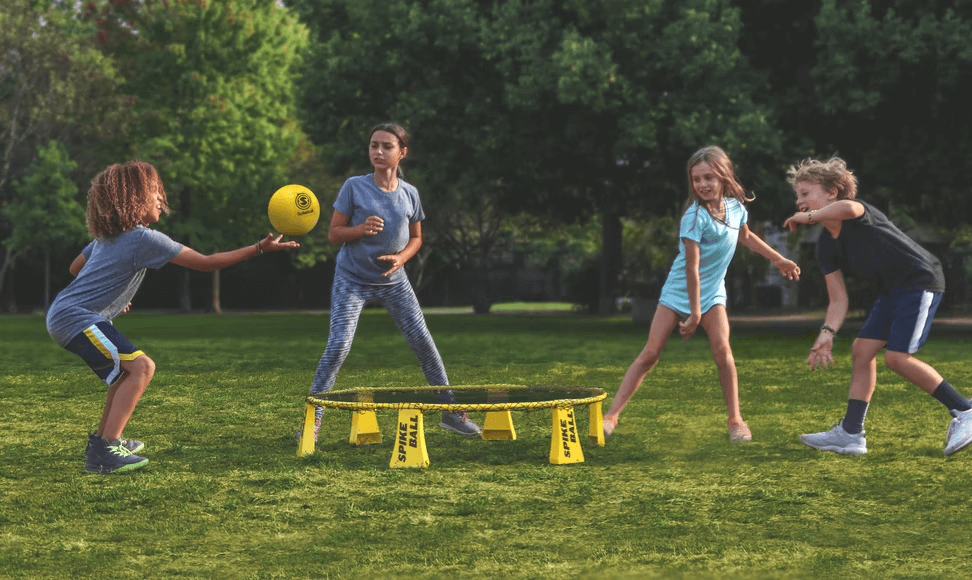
x=864, y=375
x=124, y=395
x=913, y=370
x=716, y=325
x=662, y=326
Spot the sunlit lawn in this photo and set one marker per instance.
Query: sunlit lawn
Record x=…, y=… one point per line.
x=225, y=495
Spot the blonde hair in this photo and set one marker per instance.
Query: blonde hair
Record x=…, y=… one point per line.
x=830, y=174
x=119, y=196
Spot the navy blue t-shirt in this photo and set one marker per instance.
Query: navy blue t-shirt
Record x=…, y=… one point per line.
x=875, y=249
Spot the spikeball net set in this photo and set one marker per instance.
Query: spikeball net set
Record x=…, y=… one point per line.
x=496, y=400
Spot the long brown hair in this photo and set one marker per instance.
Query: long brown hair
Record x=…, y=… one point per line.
x=721, y=165
x=119, y=196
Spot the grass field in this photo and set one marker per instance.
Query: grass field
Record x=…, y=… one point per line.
x=226, y=497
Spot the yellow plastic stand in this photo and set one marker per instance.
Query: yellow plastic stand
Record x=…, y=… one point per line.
x=409, y=449
x=596, y=430
x=364, y=428
x=499, y=425
x=306, y=444
x=564, y=442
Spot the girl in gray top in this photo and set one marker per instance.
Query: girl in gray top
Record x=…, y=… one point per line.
x=378, y=222
x=123, y=200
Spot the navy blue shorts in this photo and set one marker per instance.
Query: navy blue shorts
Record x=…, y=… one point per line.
x=103, y=348
x=903, y=319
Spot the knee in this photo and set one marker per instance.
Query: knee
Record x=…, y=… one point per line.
x=646, y=360
x=895, y=360
x=722, y=355
x=861, y=355
x=143, y=367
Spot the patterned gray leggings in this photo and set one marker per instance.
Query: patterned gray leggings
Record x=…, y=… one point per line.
x=348, y=298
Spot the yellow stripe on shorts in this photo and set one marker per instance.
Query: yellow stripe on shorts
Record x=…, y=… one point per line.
x=97, y=342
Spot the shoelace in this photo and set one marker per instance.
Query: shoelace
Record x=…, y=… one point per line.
x=119, y=450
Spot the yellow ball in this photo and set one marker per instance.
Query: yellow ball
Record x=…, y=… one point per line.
x=294, y=210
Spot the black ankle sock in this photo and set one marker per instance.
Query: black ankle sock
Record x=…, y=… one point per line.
x=853, y=421
x=951, y=399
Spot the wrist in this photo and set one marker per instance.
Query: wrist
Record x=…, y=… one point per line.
x=259, y=247
x=810, y=219
x=826, y=328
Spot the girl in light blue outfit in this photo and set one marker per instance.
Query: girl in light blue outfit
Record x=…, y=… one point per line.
x=713, y=221
x=378, y=222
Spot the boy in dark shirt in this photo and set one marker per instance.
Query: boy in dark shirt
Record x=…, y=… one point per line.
x=860, y=239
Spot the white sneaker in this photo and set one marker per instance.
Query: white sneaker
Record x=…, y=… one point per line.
x=839, y=441
x=959, y=434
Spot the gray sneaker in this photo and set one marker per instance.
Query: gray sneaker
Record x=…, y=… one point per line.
x=459, y=423
x=959, y=434
x=837, y=440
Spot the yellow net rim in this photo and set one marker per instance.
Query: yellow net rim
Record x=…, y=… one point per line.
x=596, y=396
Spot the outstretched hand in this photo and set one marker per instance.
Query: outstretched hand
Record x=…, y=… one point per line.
x=273, y=244
x=795, y=220
x=821, y=354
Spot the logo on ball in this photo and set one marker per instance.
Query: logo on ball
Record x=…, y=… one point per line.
x=294, y=210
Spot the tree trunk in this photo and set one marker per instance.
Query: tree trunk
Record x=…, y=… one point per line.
x=185, y=297
x=217, y=307
x=47, y=278
x=8, y=261
x=610, y=263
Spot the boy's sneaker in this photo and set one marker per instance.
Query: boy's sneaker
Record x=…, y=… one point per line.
x=838, y=441
x=459, y=423
x=300, y=430
x=111, y=457
x=959, y=434
x=133, y=445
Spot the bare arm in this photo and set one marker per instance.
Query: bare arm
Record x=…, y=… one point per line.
x=193, y=260
x=787, y=267
x=77, y=264
x=693, y=283
x=340, y=232
x=838, y=211
x=408, y=252
x=822, y=349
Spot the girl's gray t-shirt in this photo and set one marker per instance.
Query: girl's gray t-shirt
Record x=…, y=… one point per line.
x=360, y=198
x=113, y=271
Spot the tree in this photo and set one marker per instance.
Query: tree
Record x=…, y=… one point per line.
x=562, y=109
x=54, y=84
x=47, y=213
x=213, y=89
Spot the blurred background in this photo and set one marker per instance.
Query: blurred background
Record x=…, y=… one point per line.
x=548, y=138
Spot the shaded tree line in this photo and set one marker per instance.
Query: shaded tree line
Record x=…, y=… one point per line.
x=557, y=112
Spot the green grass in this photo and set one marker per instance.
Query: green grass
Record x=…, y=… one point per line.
x=226, y=497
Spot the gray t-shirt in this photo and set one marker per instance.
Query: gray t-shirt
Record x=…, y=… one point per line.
x=113, y=271
x=360, y=198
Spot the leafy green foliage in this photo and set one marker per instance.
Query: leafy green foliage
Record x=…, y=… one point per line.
x=213, y=84
x=48, y=212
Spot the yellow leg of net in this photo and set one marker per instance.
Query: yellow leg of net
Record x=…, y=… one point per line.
x=306, y=444
x=409, y=449
x=499, y=425
x=564, y=442
x=596, y=430
x=364, y=428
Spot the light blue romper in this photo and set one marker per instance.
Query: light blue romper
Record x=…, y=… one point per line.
x=717, y=245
